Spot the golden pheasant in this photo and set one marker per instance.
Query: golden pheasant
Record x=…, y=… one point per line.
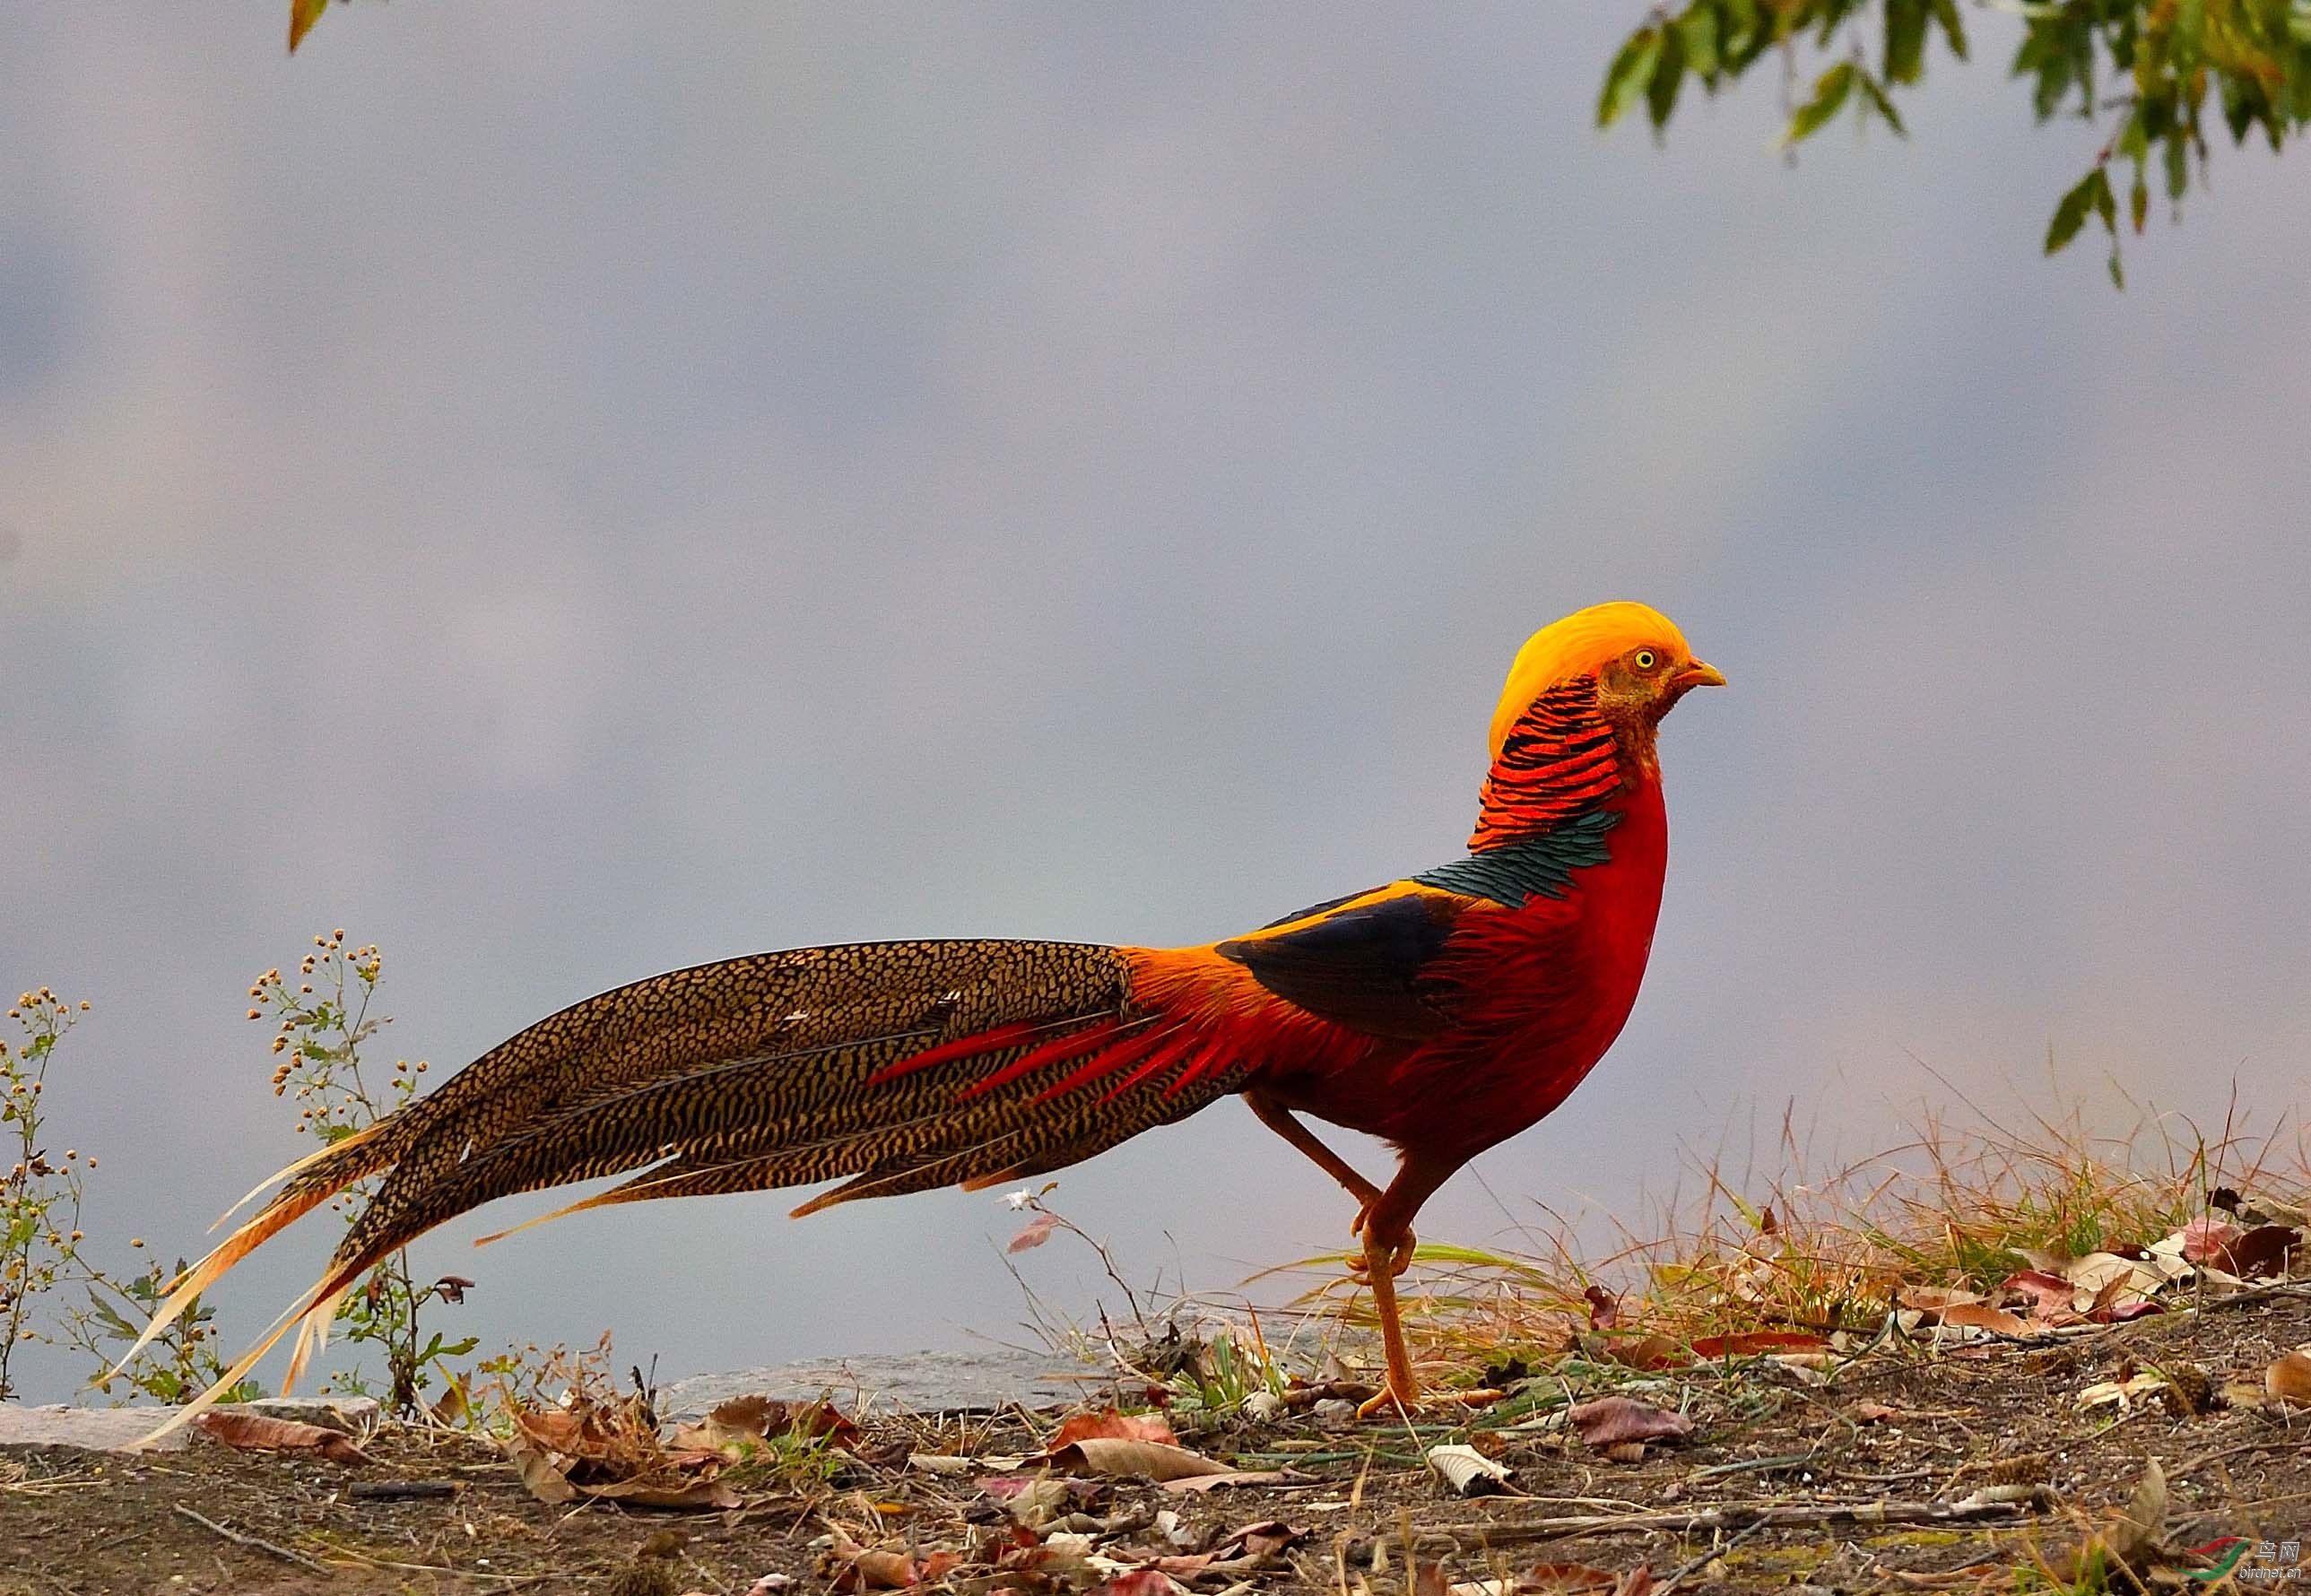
x=1444, y=1012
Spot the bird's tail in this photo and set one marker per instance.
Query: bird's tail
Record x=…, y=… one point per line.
x=893, y=1066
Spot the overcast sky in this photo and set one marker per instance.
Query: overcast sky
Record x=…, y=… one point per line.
x=563, y=496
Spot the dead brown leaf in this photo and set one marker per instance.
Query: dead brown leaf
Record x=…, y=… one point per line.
x=1234, y=1477
x=257, y=1432
x=1140, y=1582
x=745, y=1419
x=2132, y=1538
x=673, y=1495
x=1604, y=1308
x=1610, y=1421
x=1110, y=1424
x=2259, y=1253
x=852, y=1567
x=1033, y=1234
x=538, y=1475
x=1982, y=1316
x=2287, y=1381
x=1111, y=1457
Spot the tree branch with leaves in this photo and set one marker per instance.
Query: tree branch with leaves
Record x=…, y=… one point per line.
x=2162, y=69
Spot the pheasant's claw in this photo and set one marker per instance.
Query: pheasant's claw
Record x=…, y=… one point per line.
x=1388, y=1402
x=1400, y=1258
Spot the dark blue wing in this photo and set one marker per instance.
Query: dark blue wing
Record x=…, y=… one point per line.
x=1360, y=965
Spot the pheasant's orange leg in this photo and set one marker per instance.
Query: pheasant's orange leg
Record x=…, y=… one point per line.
x=1387, y=1226
x=1380, y=1268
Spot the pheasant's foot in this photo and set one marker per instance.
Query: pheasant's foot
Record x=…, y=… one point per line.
x=1388, y=1402
x=1400, y=1258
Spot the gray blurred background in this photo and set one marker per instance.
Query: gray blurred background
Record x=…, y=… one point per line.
x=563, y=491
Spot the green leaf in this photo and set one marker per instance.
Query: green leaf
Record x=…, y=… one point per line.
x=1906, y=41
x=2139, y=201
x=1953, y=29
x=2105, y=204
x=2117, y=276
x=1668, y=74
x=2187, y=38
x=2178, y=164
x=1697, y=29
x=2072, y=210
x=1873, y=95
x=1829, y=93
x=1628, y=74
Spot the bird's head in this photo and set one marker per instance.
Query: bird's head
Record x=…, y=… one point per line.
x=1639, y=660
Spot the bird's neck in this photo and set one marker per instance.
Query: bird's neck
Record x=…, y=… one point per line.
x=1564, y=761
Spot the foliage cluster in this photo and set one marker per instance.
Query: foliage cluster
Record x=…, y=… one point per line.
x=43, y=1250
x=2161, y=66
x=322, y=1020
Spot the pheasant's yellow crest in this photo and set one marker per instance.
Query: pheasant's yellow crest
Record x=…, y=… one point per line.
x=1577, y=646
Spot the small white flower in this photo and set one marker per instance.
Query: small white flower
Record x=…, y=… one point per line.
x=1018, y=1200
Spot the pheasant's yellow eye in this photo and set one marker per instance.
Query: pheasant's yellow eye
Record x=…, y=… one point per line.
x=1645, y=659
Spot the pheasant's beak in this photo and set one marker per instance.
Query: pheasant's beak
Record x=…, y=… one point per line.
x=1698, y=675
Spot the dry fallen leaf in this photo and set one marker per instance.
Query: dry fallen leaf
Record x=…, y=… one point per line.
x=666, y=1493
x=1610, y=1421
x=1230, y=1477
x=2052, y=1297
x=1756, y=1343
x=2287, y=1381
x=751, y=1418
x=2133, y=1540
x=257, y=1432
x=1140, y=1582
x=538, y=1475
x=1982, y=1316
x=1112, y=1426
x=1604, y=1308
x=1114, y=1458
x=2203, y=1240
x=2103, y=1392
x=1467, y=1471
x=1034, y=1232
x=850, y=1567
x=2261, y=1252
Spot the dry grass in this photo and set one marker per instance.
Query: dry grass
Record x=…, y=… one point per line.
x=1957, y=1204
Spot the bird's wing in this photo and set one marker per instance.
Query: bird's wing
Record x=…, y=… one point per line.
x=1365, y=961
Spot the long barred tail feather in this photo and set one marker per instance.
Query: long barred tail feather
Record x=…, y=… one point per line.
x=891, y=1066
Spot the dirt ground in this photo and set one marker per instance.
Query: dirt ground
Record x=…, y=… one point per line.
x=1918, y=1429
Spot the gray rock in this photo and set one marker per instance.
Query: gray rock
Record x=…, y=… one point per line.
x=351, y=1416
x=91, y=1429
x=119, y=1429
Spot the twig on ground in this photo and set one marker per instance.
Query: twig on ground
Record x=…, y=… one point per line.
x=1692, y=1565
x=254, y=1542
